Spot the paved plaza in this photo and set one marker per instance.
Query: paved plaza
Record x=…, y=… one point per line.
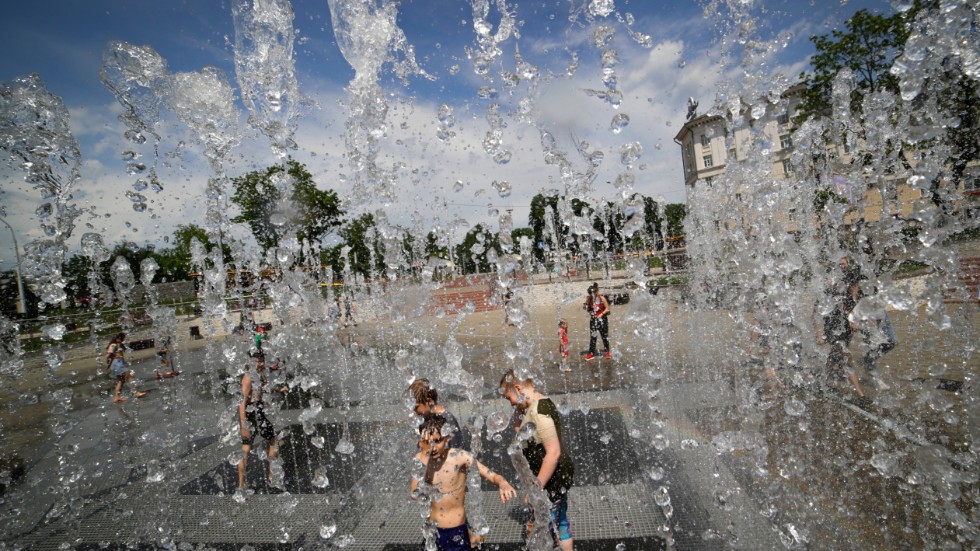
x=672, y=414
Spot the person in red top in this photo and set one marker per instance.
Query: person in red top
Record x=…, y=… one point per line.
x=598, y=308
x=563, y=344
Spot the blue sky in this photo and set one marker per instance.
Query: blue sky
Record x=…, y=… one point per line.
x=64, y=40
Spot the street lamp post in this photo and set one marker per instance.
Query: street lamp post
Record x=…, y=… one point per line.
x=21, y=306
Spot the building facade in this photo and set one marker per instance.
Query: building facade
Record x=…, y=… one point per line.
x=707, y=151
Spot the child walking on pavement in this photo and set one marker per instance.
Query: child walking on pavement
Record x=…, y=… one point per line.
x=563, y=344
x=116, y=366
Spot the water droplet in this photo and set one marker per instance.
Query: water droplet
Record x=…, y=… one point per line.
x=320, y=479
x=54, y=332
x=497, y=421
x=135, y=137
x=328, y=530
x=630, y=153
x=486, y=92
x=344, y=446
x=503, y=188
x=602, y=8
x=795, y=407
x=619, y=122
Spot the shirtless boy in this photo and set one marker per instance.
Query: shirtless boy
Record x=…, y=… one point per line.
x=445, y=475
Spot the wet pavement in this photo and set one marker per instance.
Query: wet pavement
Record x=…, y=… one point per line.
x=675, y=412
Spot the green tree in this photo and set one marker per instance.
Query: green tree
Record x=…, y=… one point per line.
x=134, y=255
x=868, y=46
x=517, y=233
x=538, y=222
x=175, y=261
x=607, y=221
x=410, y=251
x=283, y=201
x=675, y=214
x=76, y=272
x=653, y=224
x=434, y=246
x=359, y=234
x=963, y=99
x=471, y=254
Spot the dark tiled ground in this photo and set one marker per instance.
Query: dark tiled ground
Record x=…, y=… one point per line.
x=598, y=443
x=301, y=459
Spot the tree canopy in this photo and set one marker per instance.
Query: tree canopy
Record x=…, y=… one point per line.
x=175, y=261
x=283, y=201
x=607, y=220
x=868, y=46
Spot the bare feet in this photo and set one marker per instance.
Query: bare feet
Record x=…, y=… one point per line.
x=140, y=394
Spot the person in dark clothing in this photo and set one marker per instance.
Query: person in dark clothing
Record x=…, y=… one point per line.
x=838, y=328
x=252, y=419
x=598, y=308
x=545, y=452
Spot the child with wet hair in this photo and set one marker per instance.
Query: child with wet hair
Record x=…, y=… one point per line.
x=427, y=401
x=444, y=471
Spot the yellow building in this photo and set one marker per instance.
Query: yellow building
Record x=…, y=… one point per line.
x=706, y=152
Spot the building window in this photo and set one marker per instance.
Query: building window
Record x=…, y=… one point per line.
x=786, y=141
x=708, y=161
x=708, y=180
x=787, y=167
x=971, y=179
x=732, y=154
x=782, y=118
x=705, y=140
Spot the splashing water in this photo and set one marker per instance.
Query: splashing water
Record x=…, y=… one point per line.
x=35, y=130
x=760, y=253
x=265, y=69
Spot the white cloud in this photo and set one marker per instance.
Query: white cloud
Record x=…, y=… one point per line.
x=655, y=83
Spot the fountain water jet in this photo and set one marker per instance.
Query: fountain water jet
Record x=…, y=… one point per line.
x=763, y=275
